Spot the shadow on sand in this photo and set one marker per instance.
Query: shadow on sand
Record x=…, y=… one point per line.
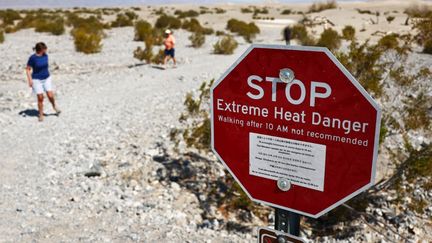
x=33, y=113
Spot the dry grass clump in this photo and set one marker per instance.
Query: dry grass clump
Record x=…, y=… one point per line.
x=247, y=30
x=321, y=6
x=226, y=45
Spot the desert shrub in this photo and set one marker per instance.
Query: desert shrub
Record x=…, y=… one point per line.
x=143, y=29
x=247, y=30
x=417, y=110
x=424, y=33
x=90, y=24
x=260, y=11
x=226, y=45
x=145, y=54
x=168, y=22
x=193, y=25
x=159, y=57
x=286, y=12
x=54, y=26
x=361, y=11
x=87, y=41
x=122, y=20
x=2, y=36
x=364, y=62
x=184, y=14
x=427, y=47
x=220, y=33
x=329, y=38
x=321, y=6
x=219, y=10
x=300, y=33
x=131, y=15
x=348, y=32
x=197, y=39
x=9, y=16
x=246, y=10
x=390, y=18
x=419, y=11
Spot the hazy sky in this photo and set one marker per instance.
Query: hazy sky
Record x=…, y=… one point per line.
x=96, y=3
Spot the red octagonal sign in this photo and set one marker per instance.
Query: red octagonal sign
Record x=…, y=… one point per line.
x=295, y=129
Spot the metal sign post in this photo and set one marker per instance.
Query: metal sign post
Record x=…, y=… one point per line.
x=288, y=222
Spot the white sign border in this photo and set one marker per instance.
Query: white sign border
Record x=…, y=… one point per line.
x=353, y=81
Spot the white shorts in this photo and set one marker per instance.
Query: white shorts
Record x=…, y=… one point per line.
x=42, y=85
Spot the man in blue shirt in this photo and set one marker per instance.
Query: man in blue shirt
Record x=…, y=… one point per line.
x=39, y=79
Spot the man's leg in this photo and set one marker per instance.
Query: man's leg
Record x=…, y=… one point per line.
x=40, y=99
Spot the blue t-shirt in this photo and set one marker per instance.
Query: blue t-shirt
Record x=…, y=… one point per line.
x=39, y=64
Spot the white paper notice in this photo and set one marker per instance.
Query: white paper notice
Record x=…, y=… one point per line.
x=302, y=163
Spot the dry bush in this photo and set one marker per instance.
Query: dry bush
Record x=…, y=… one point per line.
x=122, y=20
x=2, y=36
x=220, y=33
x=9, y=16
x=159, y=57
x=145, y=54
x=419, y=11
x=329, y=38
x=321, y=6
x=168, y=22
x=193, y=25
x=185, y=14
x=86, y=41
x=300, y=33
x=424, y=33
x=197, y=39
x=247, y=30
x=417, y=110
x=246, y=10
x=143, y=30
x=286, y=12
x=360, y=11
x=390, y=18
x=226, y=45
x=348, y=32
x=54, y=26
x=219, y=10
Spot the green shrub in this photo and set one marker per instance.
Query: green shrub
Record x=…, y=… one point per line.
x=329, y=38
x=197, y=39
x=168, y=22
x=87, y=41
x=348, y=32
x=184, y=14
x=193, y=25
x=226, y=45
x=146, y=54
x=286, y=12
x=247, y=30
x=143, y=29
x=2, y=36
x=54, y=26
x=320, y=6
x=300, y=33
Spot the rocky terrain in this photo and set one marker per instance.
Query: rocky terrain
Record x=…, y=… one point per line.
x=107, y=171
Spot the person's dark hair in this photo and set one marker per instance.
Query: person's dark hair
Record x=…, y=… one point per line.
x=40, y=46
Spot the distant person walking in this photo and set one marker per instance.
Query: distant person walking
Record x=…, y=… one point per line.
x=39, y=78
x=169, y=43
x=287, y=35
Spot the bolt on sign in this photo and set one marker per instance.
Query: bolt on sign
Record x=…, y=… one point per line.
x=295, y=129
x=266, y=235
